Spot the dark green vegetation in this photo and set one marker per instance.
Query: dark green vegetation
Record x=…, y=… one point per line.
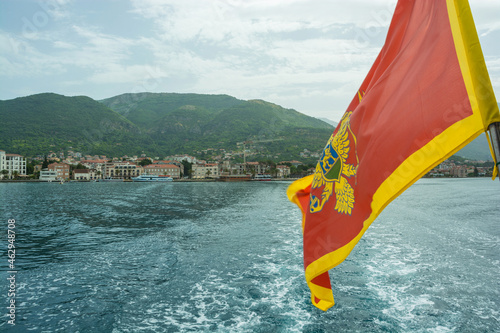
x=165, y=124
x=156, y=124
x=49, y=122
x=192, y=122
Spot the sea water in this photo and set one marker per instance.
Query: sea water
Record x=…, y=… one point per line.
x=227, y=257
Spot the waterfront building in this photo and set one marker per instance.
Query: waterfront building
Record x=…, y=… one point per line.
x=283, y=171
x=257, y=168
x=179, y=164
x=205, y=170
x=171, y=170
x=48, y=175
x=62, y=170
x=212, y=170
x=197, y=171
x=81, y=174
x=239, y=169
x=12, y=163
x=121, y=170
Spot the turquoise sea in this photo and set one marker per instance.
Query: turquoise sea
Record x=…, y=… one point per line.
x=227, y=257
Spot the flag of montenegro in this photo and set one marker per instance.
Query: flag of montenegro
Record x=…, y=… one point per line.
x=426, y=96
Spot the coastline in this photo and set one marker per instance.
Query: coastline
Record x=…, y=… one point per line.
x=129, y=181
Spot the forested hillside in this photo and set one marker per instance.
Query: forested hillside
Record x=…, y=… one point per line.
x=156, y=124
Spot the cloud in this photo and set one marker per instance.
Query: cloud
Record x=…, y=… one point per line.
x=488, y=28
x=302, y=54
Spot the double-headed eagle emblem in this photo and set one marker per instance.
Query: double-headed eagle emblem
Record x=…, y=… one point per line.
x=333, y=168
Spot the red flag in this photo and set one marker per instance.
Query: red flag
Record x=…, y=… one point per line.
x=426, y=96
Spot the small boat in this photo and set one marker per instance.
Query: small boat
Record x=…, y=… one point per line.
x=152, y=178
x=262, y=178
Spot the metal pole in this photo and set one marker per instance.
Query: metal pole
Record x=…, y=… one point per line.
x=495, y=141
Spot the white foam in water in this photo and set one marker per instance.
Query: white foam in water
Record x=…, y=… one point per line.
x=233, y=262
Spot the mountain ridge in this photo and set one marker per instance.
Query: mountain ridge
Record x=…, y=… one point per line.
x=163, y=124
x=155, y=124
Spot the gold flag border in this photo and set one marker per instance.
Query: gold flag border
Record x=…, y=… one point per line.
x=441, y=147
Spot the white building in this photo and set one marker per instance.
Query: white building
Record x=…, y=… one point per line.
x=123, y=170
x=48, y=175
x=81, y=174
x=283, y=171
x=256, y=168
x=206, y=170
x=198, y=171
x=12, y=163
x=180, y=158
x=171, y=170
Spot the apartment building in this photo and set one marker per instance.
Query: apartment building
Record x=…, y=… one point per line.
x=123, y=170
x=171, y=170
x=12, y=163
x=62, y=170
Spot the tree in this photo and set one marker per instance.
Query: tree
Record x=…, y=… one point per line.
x=145, y=162
x=251, y=169
x=273, y=171
x=79, y=166
x=30, y=168
x=5, y=173
x=45, y=163
x=187, y=168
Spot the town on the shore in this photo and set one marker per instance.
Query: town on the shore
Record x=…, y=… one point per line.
x=78, y=167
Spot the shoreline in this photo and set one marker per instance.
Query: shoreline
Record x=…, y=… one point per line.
x=129, y=181
x=200, y=180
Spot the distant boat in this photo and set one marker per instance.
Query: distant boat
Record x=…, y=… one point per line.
x=263, y=177
x=152, y=178
x=234, y=178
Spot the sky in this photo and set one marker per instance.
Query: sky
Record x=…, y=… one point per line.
x=308, y=55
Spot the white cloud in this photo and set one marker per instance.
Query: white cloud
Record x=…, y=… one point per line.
x=302, y=54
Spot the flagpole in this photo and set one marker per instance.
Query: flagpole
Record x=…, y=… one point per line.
x=495, y=141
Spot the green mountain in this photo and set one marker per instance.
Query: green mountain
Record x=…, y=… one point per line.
x=156, y=124
x=144, y=109
x=47, y=122
x=194, y=122
x=164, y=124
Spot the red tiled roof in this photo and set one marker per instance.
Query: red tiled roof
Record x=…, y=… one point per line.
x=59, y=164
x=93, y=161
x=163, y=162
x=160, y=166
